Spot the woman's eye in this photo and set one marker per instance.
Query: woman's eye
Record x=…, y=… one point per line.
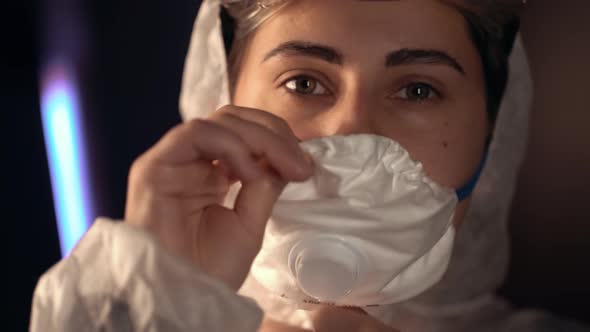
x=417, y=92
x=306, y=86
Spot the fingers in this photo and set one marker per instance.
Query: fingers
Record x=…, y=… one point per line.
x=202, y=157
x=268, y=137
x=269, y=325
x=340, y=319
x=255, y=202
x=355, y=309
x=238, y=143
x=265, y=119
x=271, y=137
x=183, y=180
x=206, y=140
x=176, y=188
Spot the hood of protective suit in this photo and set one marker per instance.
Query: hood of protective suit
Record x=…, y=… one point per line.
x=481, y=245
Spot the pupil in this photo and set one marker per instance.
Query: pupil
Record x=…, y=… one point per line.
x=419, y=92
x=305, y=85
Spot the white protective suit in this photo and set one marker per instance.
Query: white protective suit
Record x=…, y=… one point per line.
x=119, y=279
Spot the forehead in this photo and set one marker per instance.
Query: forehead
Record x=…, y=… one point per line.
x=373, y=27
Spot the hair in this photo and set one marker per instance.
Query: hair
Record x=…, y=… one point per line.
x=491, y=24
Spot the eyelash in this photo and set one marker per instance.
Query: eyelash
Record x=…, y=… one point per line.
x=416, y=83
x=433, y=93
x=308, y=78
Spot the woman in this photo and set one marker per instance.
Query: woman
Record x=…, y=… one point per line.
x=426, y=74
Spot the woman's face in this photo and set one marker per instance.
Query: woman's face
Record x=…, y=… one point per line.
x=406, y=70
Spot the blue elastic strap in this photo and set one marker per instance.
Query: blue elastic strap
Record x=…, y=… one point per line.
x=467, y=188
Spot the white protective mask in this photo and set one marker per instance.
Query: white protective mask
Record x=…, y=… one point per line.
x=369, y=227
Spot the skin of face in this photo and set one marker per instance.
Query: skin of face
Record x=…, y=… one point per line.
x=405, y=69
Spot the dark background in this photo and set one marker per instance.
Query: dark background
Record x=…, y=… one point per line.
x=131, y=60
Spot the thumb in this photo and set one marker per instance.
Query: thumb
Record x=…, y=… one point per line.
x=341, y=319
x=269, y=325
x=256, y=200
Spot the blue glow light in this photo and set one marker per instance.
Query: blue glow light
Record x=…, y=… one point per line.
x=65, y=153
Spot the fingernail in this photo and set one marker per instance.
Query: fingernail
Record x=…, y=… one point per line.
x=306, y=168
x=308, y=159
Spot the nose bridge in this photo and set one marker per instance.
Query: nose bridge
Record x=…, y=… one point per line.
x=353, y=113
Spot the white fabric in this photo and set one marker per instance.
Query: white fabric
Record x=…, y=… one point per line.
x=480, y=256
x=119, y=279
x=370, y=223
x=205, y=85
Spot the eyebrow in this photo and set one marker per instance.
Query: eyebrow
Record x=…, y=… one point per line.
x=303, y=48
x=396, y=58
x=421, y=56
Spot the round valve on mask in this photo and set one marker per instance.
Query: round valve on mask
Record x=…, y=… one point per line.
x=325, y=268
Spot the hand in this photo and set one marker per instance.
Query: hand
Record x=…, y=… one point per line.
x=329, y=319
x=333, y=319
x=177, y=187
x=269, y=325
